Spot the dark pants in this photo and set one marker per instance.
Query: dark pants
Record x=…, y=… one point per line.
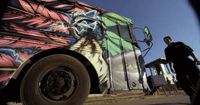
x=196, y=97
x=187, y=75
x=186, y=85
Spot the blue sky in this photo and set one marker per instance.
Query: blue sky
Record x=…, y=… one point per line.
x=163, y=17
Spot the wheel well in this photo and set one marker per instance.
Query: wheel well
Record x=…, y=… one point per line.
x=91, y=70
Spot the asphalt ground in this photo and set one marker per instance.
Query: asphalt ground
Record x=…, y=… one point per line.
x=155, y=100
x=132, y=98
x=140, y=99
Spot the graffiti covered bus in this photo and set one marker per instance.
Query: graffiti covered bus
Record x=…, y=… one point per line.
x=56, y=52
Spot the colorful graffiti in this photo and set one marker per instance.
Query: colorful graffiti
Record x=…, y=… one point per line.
x=94, y=33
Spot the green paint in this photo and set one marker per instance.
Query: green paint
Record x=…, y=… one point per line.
x=113, y=43
x=113, y=17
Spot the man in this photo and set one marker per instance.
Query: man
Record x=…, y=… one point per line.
x=187, y=73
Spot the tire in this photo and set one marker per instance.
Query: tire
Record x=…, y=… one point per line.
x=55, y=80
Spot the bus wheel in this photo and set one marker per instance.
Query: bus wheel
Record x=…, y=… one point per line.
x=55, y=80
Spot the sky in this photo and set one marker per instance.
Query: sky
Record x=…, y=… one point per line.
x=163, y=17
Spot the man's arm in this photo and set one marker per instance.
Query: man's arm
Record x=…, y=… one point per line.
x=168, y=60
x=190, y=51
x=195, y=58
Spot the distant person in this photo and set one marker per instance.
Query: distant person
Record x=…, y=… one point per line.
x=169, y=86
x=175, y=82
x=168, y=81
x=187, y=72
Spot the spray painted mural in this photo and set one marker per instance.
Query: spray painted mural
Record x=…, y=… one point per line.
x=103, y=37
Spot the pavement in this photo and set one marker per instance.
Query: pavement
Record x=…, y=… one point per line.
x=140, y=99
x=155, y=100
x=135, y=98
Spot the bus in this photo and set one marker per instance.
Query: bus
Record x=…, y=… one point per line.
x=56, y=52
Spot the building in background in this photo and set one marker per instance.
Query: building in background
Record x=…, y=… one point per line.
x=159, y=75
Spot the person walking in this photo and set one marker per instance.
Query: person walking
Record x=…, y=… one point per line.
x=179, y=55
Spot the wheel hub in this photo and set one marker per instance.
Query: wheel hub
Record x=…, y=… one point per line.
x=58, y=84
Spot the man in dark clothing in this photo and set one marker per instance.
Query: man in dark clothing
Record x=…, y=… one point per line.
x=187, y=73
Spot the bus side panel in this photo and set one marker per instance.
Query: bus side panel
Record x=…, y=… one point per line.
x=28, y=27
x=24, y=33
x=122, y=53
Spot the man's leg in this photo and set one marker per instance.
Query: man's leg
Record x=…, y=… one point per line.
x=186, y=85
x=196, y=96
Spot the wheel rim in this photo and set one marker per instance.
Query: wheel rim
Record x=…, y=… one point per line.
x=58, y=84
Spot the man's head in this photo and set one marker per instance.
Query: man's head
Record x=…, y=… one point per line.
x=167, y=40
